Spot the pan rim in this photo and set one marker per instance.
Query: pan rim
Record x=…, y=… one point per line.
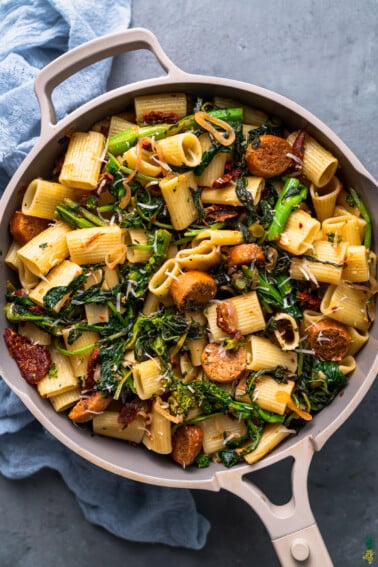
x=208, y=481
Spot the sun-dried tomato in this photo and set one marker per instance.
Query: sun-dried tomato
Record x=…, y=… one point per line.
x=220, y=213
x=36, y=309
x=227, y=319
x=130, y=411
x=222, y=181
x=34, y=361
x=298, y=149
x=159, y=117
x=92, y=363
x=19, y=292
x=309, y=300
x=229, y=174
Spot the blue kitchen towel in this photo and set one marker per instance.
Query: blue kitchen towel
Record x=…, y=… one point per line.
x=33, y=33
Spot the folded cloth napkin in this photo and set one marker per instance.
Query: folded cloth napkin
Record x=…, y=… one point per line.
x=33, y=33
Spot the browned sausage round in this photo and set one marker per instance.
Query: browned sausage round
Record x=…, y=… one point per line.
x=192, y=289
x=244, y=254
x=24, y=227
x=222, y=365
x=187, y=444
x=329, y=339
x=270, y=157
x=87, y=408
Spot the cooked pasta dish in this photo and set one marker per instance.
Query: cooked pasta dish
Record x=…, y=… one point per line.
x=194, y=277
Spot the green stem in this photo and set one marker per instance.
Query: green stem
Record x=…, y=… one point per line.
x=70, y=217
x=292, y=194
x=78, y=351
x=121, y=142
x=94, y=219
x=234, y=114
x=139, y=176
x=121, y=384
x=365, y=215
x=149, y=220
x=113, y=166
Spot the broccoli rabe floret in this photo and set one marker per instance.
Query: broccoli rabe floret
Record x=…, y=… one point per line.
x=292, y=194
x=214, y=398
x=202, y=461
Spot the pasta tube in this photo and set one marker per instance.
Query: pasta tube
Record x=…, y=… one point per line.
x=319, y=165
x=273, y=435
x=218, y=429
x=61, y=275
x=107, y=424
x=246, y=311
x=264, y=354
x=169, y=105
x=158, y=437
x=227, y=195
x=98, y=244
x=147, y=378
x=181, y=149
x=61, y=381
x=176, y=190
x=82, y=163
x=347, y=305
x=46, y=250
x=41, y=197
x=324, y=198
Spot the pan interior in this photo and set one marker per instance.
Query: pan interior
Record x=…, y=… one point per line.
x=116, y=456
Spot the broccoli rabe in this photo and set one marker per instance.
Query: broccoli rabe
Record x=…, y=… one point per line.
x=121, y=142
x=202, y=461
x=180, y=399
x=212, y=398
x=292, y=194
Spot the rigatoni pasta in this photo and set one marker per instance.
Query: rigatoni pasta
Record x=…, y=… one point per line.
x=97, y=244
x=46, y=250
x=60, y=380
x=83, y=160
x=177, y=194
x=41, y=198
x=319, y=165
x=165, y=105
x=204, y=287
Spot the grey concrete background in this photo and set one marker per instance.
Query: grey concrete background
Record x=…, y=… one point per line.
x=322, y=54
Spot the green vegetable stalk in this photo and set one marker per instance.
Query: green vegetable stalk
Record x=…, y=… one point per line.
x=18, y=313
x=77, y=216
x=113, y=166
x=121, y=142
x=292, y=194
x=365, y=215
x=213, y=397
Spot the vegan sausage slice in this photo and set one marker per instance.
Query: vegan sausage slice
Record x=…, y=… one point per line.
x=24, y=227
x=244, y=254
x=270, y=157
x=192, y=289
x=186, y=444
x=221, y=365
x=329, y=339
x=87, y=408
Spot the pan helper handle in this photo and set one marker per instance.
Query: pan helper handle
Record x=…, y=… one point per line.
x=291, y=526
x=84, y=55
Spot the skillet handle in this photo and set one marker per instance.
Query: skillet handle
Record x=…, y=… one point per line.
x=304, y=547
x=85, y=55
x=291, y=526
